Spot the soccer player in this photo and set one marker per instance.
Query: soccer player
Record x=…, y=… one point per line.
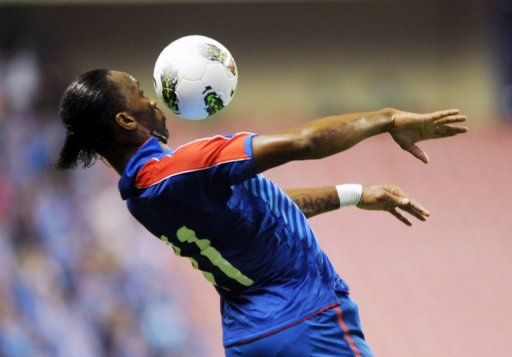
x=280, y=295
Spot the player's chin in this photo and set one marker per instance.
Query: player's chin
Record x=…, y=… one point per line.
x=165, y=133
x=163, y=127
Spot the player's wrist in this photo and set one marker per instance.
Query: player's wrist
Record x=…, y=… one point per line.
x=349, y=194
x=388, y=115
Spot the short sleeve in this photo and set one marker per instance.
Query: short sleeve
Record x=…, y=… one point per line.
x=204, y=167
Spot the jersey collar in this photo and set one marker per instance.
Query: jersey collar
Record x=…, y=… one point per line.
x=150, y=149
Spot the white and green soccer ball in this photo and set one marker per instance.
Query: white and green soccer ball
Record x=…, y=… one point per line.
x=195, y=76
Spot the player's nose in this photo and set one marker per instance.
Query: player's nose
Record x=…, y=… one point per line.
x=152, y=102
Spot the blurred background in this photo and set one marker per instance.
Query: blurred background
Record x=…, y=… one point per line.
x=78, y=275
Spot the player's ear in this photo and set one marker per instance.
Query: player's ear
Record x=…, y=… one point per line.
x=126, y=121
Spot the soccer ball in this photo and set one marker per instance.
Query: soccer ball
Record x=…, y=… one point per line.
x=195, y=76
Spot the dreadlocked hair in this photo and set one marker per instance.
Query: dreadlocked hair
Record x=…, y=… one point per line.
x=87, y=109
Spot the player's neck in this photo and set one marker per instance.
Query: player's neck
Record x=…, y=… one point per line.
x=118, y=158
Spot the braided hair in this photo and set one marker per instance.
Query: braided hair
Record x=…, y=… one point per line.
x=87, y=109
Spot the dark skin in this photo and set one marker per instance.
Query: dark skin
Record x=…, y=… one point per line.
x=134, y=124
x=390, y=198
x=313, y=140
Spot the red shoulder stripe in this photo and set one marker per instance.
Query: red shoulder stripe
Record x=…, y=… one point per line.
x=196, y=155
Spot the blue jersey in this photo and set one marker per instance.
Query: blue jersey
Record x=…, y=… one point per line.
x=245, y=235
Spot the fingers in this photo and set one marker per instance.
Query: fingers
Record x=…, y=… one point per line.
x=451, y=119
x=449, y=130
x=418, y=214
x=418, y=153
x=444, y=127
x=415, y=206
x=416, y=210
x=441, y=114
x=409, y=205
x=400, y=217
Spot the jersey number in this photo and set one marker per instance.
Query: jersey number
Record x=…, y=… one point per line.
x=186, y=235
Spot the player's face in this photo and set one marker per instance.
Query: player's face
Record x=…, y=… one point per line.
x=141, y=107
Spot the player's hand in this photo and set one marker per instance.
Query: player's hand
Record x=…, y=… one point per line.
x=391, y=198
x=409, y=128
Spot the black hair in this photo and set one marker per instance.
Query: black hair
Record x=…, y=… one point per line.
x=87, y=109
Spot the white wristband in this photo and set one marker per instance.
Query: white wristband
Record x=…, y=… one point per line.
x=349, y=194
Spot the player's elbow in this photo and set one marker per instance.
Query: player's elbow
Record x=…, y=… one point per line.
x=297, y=146
x=389, y=113
x=310, y=144
x=304, y=144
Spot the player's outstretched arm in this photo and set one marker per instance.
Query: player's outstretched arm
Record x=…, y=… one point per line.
x=390, y=198
x=327, y=136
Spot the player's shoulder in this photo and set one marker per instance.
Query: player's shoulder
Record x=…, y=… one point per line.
x=212, y=141
x=197, y=155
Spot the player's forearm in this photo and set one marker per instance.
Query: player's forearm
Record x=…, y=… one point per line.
x=319, y=138
x=331, y=135
x=314, y=201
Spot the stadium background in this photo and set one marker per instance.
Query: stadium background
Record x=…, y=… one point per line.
x=79, y=277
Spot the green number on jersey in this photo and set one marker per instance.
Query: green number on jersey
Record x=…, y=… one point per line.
x=186, y=235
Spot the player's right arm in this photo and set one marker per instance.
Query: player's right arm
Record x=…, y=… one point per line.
x=327, y=136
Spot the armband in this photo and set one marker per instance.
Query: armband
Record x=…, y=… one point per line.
x=349, y=194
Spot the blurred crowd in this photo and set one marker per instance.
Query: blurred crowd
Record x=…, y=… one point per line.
x=78, y=277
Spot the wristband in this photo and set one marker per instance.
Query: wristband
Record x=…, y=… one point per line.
x=349, y=194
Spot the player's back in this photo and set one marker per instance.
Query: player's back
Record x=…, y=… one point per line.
x=247, y=237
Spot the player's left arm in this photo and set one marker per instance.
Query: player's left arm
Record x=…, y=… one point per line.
x=389, y=198
x=316, y=200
